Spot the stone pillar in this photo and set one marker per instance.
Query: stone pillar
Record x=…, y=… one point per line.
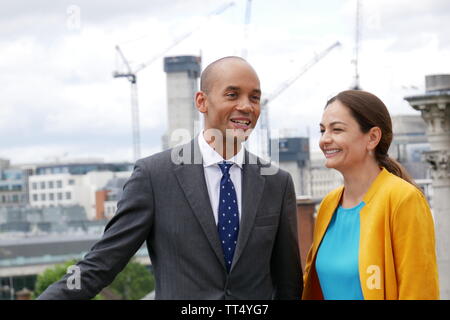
x=435, y=108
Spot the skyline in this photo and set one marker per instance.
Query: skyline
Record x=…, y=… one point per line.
x=60, y=99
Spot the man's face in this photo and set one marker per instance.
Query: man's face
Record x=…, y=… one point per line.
x=232, y=101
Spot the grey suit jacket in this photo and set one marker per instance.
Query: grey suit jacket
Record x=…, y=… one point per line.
x=165, y=203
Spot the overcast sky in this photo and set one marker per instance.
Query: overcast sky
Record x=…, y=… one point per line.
x=59, y=99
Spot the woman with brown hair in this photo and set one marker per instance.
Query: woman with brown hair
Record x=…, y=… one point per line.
x=374, y=236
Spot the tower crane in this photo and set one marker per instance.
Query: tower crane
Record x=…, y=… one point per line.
x=265, y=102
x=355, y=61
x=248, y=11
x=131, y=76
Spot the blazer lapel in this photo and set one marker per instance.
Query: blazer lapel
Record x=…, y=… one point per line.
x=252, y=190
x=191, y=178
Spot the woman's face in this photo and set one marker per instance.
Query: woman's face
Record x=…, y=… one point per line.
x=343, y=143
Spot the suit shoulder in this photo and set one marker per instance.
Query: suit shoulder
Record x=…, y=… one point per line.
x=157, y=160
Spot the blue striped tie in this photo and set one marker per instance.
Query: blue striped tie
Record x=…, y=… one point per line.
x=228, y=222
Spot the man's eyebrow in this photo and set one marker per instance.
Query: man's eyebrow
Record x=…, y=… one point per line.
x=232, y=88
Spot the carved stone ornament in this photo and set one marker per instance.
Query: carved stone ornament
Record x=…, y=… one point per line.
x=439, y=161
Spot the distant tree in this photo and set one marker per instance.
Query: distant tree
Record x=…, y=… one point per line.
x=132, y=283
x=51, y=275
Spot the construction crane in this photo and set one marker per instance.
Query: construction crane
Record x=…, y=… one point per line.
x=264, y=121
x=131, y=76
x=248, y=11
x=355, y=61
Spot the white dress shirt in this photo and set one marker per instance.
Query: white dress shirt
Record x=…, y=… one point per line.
x=213, y=174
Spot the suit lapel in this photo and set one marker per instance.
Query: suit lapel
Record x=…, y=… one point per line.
x=252, y=190
x=191, y=178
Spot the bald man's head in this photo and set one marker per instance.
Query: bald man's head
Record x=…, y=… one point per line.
x=209, y=75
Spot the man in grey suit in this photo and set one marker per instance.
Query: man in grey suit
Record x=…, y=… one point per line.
x=215, y=226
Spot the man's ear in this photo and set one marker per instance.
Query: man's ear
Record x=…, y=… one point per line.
x=200, y=101
x=374, y=138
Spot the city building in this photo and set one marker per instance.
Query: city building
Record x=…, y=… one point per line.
x=293, y=157
x=107, y=197
x=13, y=185
x=182, y=83
x=73, y=184
x=409, y=143
x=65, y=189
x=29, y=221
x=82, y=167
x=408, y=147
x=312, y=180
x=322, y=179
x=434, y=106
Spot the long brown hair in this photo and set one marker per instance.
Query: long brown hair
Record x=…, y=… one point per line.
x=369, y=111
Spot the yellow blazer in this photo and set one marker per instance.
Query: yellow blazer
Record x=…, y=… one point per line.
x=397, y=253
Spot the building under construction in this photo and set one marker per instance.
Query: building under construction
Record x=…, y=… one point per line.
x=182, y=84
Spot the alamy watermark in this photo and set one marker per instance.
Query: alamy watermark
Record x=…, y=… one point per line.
x=74, y=280
x=374, y=280
x=225, y=144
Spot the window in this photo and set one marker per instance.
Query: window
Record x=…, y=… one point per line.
x=15, y=198
x=34, y=186
x=68, y=196
x=51, y=196
x=50, y=184
x=42, y=185
x=59, y=184
x=59, y=195
x=71, y=182
x=43, y=197
x=35, y=197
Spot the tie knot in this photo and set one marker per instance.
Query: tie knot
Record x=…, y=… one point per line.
x=225, y=167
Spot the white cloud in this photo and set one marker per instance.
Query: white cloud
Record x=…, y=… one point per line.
x=58, y=90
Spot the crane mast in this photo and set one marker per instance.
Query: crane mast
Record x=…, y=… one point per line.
x=356, y=85
x=131, y=76
x=248, y=11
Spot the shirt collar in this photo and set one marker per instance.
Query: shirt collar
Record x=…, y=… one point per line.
x=211, y=157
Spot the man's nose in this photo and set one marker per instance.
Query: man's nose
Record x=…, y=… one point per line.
x=245, y=106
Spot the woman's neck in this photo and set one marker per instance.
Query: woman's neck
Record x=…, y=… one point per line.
x=357, y=182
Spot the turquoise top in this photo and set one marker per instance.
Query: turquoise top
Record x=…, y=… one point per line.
x=337, y=258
